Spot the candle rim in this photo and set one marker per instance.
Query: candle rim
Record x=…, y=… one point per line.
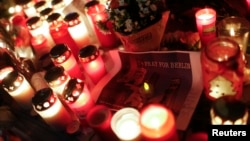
x=205, y=11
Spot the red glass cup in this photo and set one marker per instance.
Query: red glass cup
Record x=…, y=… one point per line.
x=222, y=68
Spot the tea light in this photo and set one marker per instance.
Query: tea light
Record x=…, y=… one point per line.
x=75, y=25
x=62, y=55
x=57, y=79
x=206, y=24
x=19, y=88
x=158, y=123
x=77, y=96
x=60, y=34
x=125, y=124
x=99, y=118
x=228, y=110
x=50, y=108
x=92, y=63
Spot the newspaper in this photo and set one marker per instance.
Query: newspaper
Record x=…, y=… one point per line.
x=135, y=79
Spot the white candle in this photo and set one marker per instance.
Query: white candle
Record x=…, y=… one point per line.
x=125, y=124
x=50, y=108
x=19, y=88
x=76, y=24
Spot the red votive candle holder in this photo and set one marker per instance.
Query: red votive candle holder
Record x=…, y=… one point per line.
x=92, y=63
x=99, y=118
x=61, y=55
x=60, y=34
x=206, y=24
x=97, y=13
x=158, y=123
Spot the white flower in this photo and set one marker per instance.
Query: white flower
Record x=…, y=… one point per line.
x=128, y=25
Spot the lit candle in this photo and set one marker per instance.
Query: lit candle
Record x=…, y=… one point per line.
x=206, y=22
x=40, y=45
x=78, y=97
x=248, y=5
x=57, y=79
x=62, y=55
x=99, y=118
x=228, y=110
x=53, y=112
x=19, y=88
x=37, y=27
x=236, y=28
x=29, y=9
x=92, y=63
x=220, y=60
x=5, y=71
x=125, y=124
x=60, y=34
x=75, y=25
x=97, y=13
x=158, y=123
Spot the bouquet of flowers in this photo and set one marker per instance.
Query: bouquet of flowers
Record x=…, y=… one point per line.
x=140, y=24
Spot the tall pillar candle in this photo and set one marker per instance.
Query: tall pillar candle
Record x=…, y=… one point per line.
x=206, y=24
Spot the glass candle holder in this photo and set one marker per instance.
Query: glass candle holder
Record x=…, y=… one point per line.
x=75, y=25
x=60, y=34
x=28, y=8
x=158, y=123
x=99, y=118
x=52, y=111
x=236, y=28
x=62, y=55
x=228, y=110
x=206, y=24
x=92, y=63
x=125, y=124
x=77, y=96
x=19, y=89
x=97, y=14
x=57, y=79
x=38, y=27
x=222, y=68
x=4, y=71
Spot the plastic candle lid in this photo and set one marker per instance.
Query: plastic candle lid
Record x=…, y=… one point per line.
x=88, y=53
x=54, y=73
x=58, y=50
x=42, y=99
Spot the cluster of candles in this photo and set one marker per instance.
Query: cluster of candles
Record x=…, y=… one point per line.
x=223, y=65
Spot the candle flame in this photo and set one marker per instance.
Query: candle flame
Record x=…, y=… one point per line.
x=232, y=32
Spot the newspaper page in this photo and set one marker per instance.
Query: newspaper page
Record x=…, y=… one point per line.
x=171, y=78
